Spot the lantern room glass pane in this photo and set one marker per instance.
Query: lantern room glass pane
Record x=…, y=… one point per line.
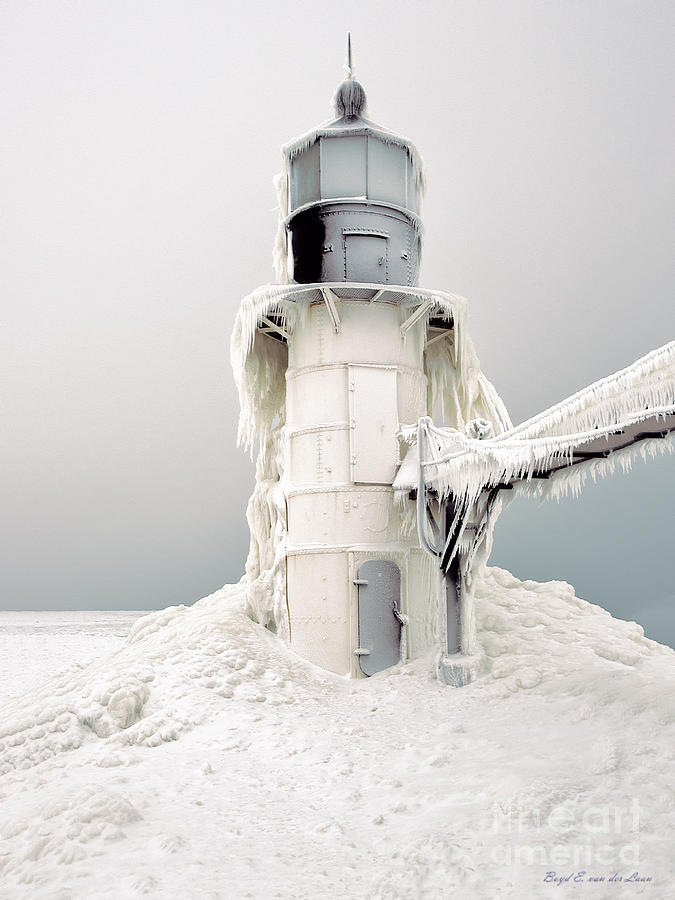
x=387, y=172
x=305, y=177
x=343, y=166
x=413, y=203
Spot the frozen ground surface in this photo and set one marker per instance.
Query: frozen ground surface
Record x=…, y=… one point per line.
x=35, y=646
x=202, y=759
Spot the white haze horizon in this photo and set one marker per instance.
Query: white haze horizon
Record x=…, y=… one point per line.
x=140, y=142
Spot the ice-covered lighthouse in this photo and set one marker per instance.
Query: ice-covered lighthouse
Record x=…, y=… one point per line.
x=331, y=363
x=369, y=523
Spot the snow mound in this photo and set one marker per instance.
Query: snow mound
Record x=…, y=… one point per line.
x=144, y=694
x=213, y=762
x=532, y=634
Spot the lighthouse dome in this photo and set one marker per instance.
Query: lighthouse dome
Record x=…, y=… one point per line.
x=351, y=200
x=350, y=99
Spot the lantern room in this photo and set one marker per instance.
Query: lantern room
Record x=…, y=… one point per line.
x=354, y=192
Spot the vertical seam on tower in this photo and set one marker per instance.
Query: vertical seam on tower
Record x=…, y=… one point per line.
x=319, y=457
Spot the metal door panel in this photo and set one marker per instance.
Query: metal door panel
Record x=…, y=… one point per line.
x=373, y=410
x=366, y=257
x=379, y=586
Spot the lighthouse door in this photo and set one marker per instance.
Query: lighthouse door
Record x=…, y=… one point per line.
x=379, y=585
x=366, y=256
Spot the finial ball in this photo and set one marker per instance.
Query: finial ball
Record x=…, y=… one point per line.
x=350, y=99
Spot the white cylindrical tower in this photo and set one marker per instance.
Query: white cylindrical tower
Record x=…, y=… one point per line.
x=335, y=365
x=355, y=375
x=350, y=565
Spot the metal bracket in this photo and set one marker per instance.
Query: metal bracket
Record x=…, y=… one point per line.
x=361, y=651
x=398, y=615
x=329, y=299
x=421, y=310
x=438, y=337
x=272, y=326
x=652, y=434
x=598, y=454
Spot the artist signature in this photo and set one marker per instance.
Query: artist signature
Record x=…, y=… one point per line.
x=634, y=877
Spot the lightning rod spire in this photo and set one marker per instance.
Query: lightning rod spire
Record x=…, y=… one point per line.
x=350, y=98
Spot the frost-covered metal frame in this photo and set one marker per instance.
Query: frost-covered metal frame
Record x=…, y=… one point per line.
x=607, y=424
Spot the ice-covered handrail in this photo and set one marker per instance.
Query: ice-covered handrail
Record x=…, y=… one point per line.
x=648, y=382
x=554, y=451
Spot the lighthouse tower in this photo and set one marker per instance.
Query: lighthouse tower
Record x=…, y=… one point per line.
x=335, y=365
x=355, y=372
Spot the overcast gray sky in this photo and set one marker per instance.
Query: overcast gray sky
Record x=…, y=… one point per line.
x=139, y=142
